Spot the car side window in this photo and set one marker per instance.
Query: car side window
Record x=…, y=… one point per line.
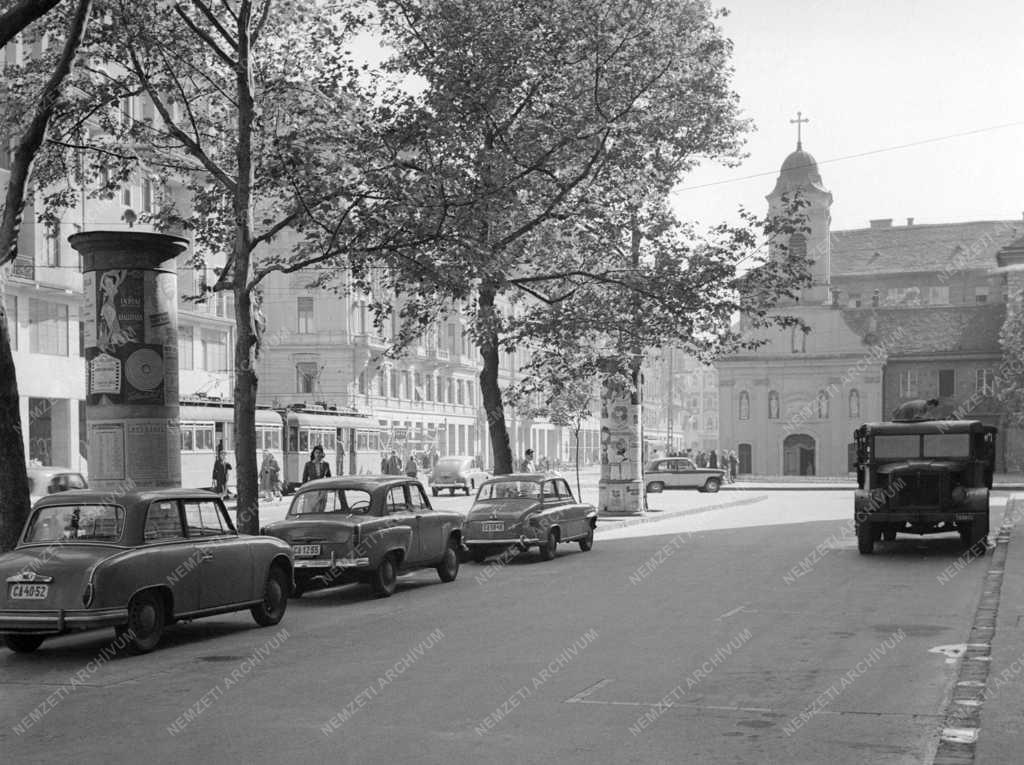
x=548, y=490
x=686, y=465
x=563, y=489
x=664, y=467
x=163, y=521
x=203, y=519
x=395, y=501
x=417, y=501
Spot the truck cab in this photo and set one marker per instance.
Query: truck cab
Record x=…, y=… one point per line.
x=923, y=477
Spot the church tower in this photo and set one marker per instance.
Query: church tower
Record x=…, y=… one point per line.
x=799, y=175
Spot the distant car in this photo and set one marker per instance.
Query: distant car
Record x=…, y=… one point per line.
x=680, y=473
x=463, y=473
x=137, y=562
x=46, y=479
x=367, y=529
x=527, y=510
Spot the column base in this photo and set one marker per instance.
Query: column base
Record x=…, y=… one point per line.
x=620, y=497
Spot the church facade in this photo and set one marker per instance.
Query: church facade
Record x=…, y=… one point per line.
x=897, y=313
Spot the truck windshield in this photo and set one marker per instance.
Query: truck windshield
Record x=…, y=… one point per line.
x=894, y=447
x=949, y=445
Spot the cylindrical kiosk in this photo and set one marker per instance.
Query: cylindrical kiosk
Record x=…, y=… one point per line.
x=620, y=490
x=130, y=316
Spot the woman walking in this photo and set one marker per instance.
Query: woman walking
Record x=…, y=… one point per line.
x=316, y=467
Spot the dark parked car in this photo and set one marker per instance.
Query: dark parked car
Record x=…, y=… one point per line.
x=527, y=510
x=680, y=473
x=367, y=529
x=137, y=562
x=923, y=477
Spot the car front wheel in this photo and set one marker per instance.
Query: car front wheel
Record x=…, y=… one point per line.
x=547, y=550
x=448, y=568
x=146, y=621
x=587, y=543
x=384, y=579
x=24, y=643
x=712, y=485
x=275, y=599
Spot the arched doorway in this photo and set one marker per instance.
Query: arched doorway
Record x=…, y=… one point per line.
x=743, y=451
x=798, y=455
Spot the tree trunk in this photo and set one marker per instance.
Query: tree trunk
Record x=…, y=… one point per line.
x=490, y=389
x=579, y=485
x=14, y=492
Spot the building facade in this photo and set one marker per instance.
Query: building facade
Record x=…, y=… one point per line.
x=897, y=313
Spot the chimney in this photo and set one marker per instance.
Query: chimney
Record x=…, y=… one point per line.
x=910, y=221
x=881, y=223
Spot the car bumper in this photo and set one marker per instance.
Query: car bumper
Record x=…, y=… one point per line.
x=324, y=565
x=924, y=516
x=58, y=622
x=449, y=485
x=523, y=541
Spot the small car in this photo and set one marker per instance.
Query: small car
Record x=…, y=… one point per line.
x=680, y=473
x=367, y=529
x=524, y=510
x=138, y=562
x=463, y=473
x=46, y=479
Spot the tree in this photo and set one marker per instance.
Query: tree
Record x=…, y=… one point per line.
x=257, y=126
x=34, y=122
x=1008, y=384
x=528, y=113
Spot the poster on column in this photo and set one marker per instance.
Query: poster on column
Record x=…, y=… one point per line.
x=619, y=437
x=106, y=451
x=148, y=449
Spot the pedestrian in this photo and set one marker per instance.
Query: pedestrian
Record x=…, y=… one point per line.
x=316, y=467
x=713, y=459
x=734, y=464
x=270, y=473
x=341, y=456
x=221, y=468
x=393, y=464
x=411, y=468
x=528, y=465
x=701, y=460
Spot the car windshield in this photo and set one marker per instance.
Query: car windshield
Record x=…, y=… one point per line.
x=343, y=501
x=102, y=523
x=448, y=463
x=509, y=490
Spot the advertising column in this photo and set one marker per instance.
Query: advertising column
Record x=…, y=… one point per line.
x=620, y=490
x=130, y=318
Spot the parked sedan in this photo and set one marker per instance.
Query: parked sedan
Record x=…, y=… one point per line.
x=47, y=479
x=525, y=510
x=681, y=473
x=367, y=529
x=462, y=473
x=136, y=562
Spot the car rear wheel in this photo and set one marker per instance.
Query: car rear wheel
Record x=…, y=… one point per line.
x=448, y=568
x=865, y=538
x=384, y=579
x=146, y=621
x=712, y=485
x=275, y=598
x=656, y=486
x=24, y=643
x=547, y=550
x=587, y=543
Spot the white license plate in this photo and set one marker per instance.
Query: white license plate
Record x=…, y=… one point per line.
x=29, y=591
x=489, y=526
x=965, y=516
x=306, y=550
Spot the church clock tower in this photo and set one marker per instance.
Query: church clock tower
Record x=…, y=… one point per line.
x=799, y=176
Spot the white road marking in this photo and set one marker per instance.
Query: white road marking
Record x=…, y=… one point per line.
x=589, y=690
x=727, y=614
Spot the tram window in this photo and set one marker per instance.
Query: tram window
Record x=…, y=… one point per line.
x=275, y=438
x=303, y=440
x=186, y=439
x=204, y=438
x=293, y=439
x=328, y=440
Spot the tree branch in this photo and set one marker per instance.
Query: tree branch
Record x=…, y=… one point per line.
x=14, y=21
x=207, y=38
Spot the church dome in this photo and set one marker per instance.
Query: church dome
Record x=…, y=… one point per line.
x=799, y=171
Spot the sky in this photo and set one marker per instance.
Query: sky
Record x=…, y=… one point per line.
x=887, y=78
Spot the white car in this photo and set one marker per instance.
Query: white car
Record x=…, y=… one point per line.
x=680, y=473
x=47, y=479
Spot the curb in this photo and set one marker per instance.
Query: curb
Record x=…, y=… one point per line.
x=962, y=721
x=611, y=522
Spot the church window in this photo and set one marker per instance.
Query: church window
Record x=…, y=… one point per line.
x=908, y=382
x=984, y=382
x=947, y=382
x=799, y=340
x=798, y=246
x=854, y=408
x=773, y=405
x=744, y=405
x=823, y=405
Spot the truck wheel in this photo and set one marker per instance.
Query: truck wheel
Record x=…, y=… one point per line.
x=979, y=536
x=865, y=538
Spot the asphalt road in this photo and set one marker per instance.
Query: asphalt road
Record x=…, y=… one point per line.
x=697, y=639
